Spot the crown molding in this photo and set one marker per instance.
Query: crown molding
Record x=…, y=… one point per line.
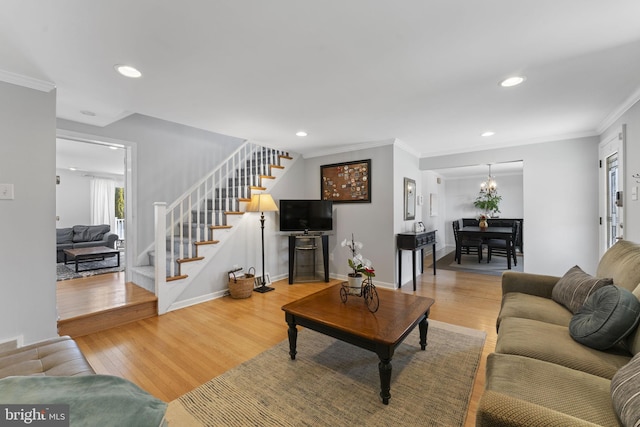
x=347, y=148
x=403, y=146
x=618, y=112
x=28, y=82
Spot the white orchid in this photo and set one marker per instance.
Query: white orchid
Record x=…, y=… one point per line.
x=357, y=262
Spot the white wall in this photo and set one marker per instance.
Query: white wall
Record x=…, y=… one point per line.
x=370, y=223
x=27, y=223
x=433, y=183
x=560, y=181
x=72, y=199
x=405, y=165
x=632, y=166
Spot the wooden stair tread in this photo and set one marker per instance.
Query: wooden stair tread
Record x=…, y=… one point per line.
x=219, y=227
x=183, y=260
x=244, y=200
x=207, y=242
x=276, y=166
x=173, y=278
x=234, y=213
x=257, y=188
x=285, y=157
x=267, y=177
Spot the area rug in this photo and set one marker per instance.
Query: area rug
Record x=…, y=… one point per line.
x=108, y=265
x=332, y=383
x=470, y=264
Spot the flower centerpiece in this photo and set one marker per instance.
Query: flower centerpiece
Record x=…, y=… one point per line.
x=482, y=221
x=359, y=265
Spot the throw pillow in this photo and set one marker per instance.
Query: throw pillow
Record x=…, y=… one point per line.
x=80, y=233
x=573, y=289
x=64, y=235
x=96, y=232
x=610, y=314
x=625, y=392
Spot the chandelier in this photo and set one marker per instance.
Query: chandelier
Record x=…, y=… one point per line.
x=489, y=186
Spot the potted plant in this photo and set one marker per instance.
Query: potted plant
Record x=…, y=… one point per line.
x=489, y=203
x=359, y=265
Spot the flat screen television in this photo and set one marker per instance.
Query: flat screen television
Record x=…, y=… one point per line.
x=306, y=215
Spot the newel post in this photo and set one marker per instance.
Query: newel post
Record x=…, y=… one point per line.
x=160, y=249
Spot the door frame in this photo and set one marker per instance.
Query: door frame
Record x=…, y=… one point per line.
x=611, y=143
x=130, y=159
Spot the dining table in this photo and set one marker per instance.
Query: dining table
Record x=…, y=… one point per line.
x=485, y=233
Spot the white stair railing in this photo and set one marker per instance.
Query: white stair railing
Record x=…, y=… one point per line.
x=188, y=219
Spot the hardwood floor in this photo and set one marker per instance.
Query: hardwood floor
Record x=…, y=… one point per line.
x=101, y=302
x=171, y=354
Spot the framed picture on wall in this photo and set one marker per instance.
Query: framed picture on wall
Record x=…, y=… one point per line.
x=409, y=199
x=348, y=182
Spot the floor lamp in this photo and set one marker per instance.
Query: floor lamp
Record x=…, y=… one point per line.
x=262, y=203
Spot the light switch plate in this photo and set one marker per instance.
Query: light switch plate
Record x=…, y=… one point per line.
x=6, y=191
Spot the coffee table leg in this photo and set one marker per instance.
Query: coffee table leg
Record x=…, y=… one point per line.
x=424, y=327
x=293, y=339
x=385, y=380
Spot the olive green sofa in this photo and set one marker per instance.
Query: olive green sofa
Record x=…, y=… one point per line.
x=540, y=376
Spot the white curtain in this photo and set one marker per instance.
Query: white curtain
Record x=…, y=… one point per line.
x=103, y=203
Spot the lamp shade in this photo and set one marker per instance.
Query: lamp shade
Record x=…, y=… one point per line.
x=262, y=203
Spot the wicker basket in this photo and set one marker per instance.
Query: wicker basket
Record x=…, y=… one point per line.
x=241, y=287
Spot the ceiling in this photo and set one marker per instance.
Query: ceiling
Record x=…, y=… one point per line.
x=482, y=170
x=89, y=158
x=424, y=72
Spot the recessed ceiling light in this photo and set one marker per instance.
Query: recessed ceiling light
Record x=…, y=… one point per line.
x=111, y=147
x=128, y=71
x=488, y=133
x=301, y=133
x=512, y=81
x=88, y=113
x=73, y=168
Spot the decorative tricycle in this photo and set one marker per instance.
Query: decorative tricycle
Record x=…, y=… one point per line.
x=367, y=290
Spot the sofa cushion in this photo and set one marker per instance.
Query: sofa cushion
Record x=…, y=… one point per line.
x=64, y=235
x=528, y=392
x=573, y=289
x=609, y=315
x=89, y=233
x=621, y=262
x=533, y=307
x=57, y=357
x=625, y=392
x=552, y=343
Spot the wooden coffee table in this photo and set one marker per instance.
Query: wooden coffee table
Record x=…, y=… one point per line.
x=352, y=322
x=85, y=254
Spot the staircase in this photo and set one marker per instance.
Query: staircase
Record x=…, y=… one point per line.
x=190, y=231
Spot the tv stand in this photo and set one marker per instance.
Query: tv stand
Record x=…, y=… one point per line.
x=293, y=249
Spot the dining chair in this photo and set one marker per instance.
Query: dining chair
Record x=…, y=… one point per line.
x=499, y=246
x=470, y=245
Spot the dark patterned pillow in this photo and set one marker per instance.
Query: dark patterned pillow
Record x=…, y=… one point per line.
x=625, y=392
x=573, y=289
x=609, y=315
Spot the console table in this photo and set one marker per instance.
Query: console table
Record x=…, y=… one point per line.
x=293, y=238
x=414, y=241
